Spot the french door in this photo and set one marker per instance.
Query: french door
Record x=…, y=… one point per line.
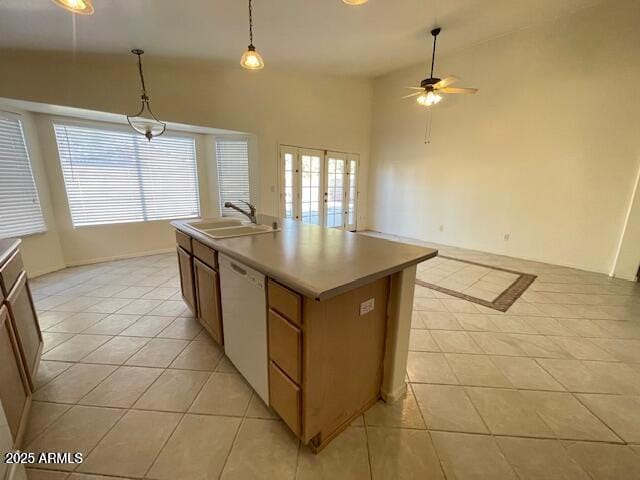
x=319, y=187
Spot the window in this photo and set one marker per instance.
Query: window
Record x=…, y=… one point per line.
x=113, y=176
x=20, y=212
x=232, y=157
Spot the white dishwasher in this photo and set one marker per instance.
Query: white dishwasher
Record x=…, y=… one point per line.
x=244, y=320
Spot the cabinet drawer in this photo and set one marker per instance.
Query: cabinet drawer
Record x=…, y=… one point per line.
x=284, y=396
x=14, y=388
x=205, y=254
x=10, y=272
x=285, y=345
x=286, y=302
x=184, y=241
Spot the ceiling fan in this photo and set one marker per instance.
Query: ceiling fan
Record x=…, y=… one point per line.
x=429, y=91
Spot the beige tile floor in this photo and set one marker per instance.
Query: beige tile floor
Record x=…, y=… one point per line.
x=549, y=389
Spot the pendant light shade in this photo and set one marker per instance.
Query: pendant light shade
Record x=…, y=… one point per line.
x=251, y=59
x=81, y=7
x=145, y=122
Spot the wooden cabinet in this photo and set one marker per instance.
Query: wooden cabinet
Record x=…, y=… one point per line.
x=208, y=299
x=326, y=358
x=185, y=262
x=20, y=339
x=200, y=283
x=14, y=386
x=26, y=328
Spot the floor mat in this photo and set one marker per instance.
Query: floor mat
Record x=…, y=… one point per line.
x=492, y=287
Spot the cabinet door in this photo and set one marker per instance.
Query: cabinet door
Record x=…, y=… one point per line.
x=185, y=262
x=208, y=294
x=14, y=387
x=26, y=327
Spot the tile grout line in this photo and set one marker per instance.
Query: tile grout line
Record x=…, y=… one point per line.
x=366, y=436
x=426, y=426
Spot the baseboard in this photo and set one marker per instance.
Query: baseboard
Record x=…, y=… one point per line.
x=92, y=261
x=493, y=252
x=39, y=273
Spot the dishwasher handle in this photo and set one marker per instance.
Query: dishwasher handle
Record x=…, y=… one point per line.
x=238, y=269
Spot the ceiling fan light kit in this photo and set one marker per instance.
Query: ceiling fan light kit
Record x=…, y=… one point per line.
x=145, y=122
x=81, y=7
x=355, y=2
x=251, y=59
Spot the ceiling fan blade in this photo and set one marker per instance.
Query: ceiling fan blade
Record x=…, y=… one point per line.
x=415, y=88
x=450, y=80
x=458, y=90
x=412, y=95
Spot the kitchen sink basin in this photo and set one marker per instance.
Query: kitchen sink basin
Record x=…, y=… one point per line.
x=227, y=232
x=219, y=229
x=216, y=223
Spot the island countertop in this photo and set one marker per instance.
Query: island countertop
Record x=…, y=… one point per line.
x=317, y=262
x=7, y=247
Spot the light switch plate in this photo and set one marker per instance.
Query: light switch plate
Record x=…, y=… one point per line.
x=367, y=306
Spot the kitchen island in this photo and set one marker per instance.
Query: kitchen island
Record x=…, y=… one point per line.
x=333, y=334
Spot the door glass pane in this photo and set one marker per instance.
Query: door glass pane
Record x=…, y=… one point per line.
x=288, y=185
x=310, y=189
x=335, y=191
x=353, y=193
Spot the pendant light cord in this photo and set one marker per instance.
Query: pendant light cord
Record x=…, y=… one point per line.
x=144, y=89
x=250, y=24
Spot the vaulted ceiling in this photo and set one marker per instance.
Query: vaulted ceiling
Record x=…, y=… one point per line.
x=319, y=35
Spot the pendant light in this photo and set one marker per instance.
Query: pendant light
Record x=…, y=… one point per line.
x=145, y=122
x=81, y=7
x=251, y=60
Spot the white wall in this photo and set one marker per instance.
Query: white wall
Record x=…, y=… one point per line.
x=547, y=151
x=277, y=106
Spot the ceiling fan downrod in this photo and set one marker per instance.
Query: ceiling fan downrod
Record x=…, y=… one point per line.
x=435, y=33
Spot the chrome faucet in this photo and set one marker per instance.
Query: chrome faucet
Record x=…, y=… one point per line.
x=251, y=215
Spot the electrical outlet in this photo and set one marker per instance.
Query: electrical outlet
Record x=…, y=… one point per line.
x=507, y=236
x=367, y=306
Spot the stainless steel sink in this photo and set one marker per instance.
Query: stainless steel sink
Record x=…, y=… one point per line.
x=228, y=228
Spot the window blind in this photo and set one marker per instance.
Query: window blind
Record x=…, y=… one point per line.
x=232, y=157
x=112, y=176
x=20, y=212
